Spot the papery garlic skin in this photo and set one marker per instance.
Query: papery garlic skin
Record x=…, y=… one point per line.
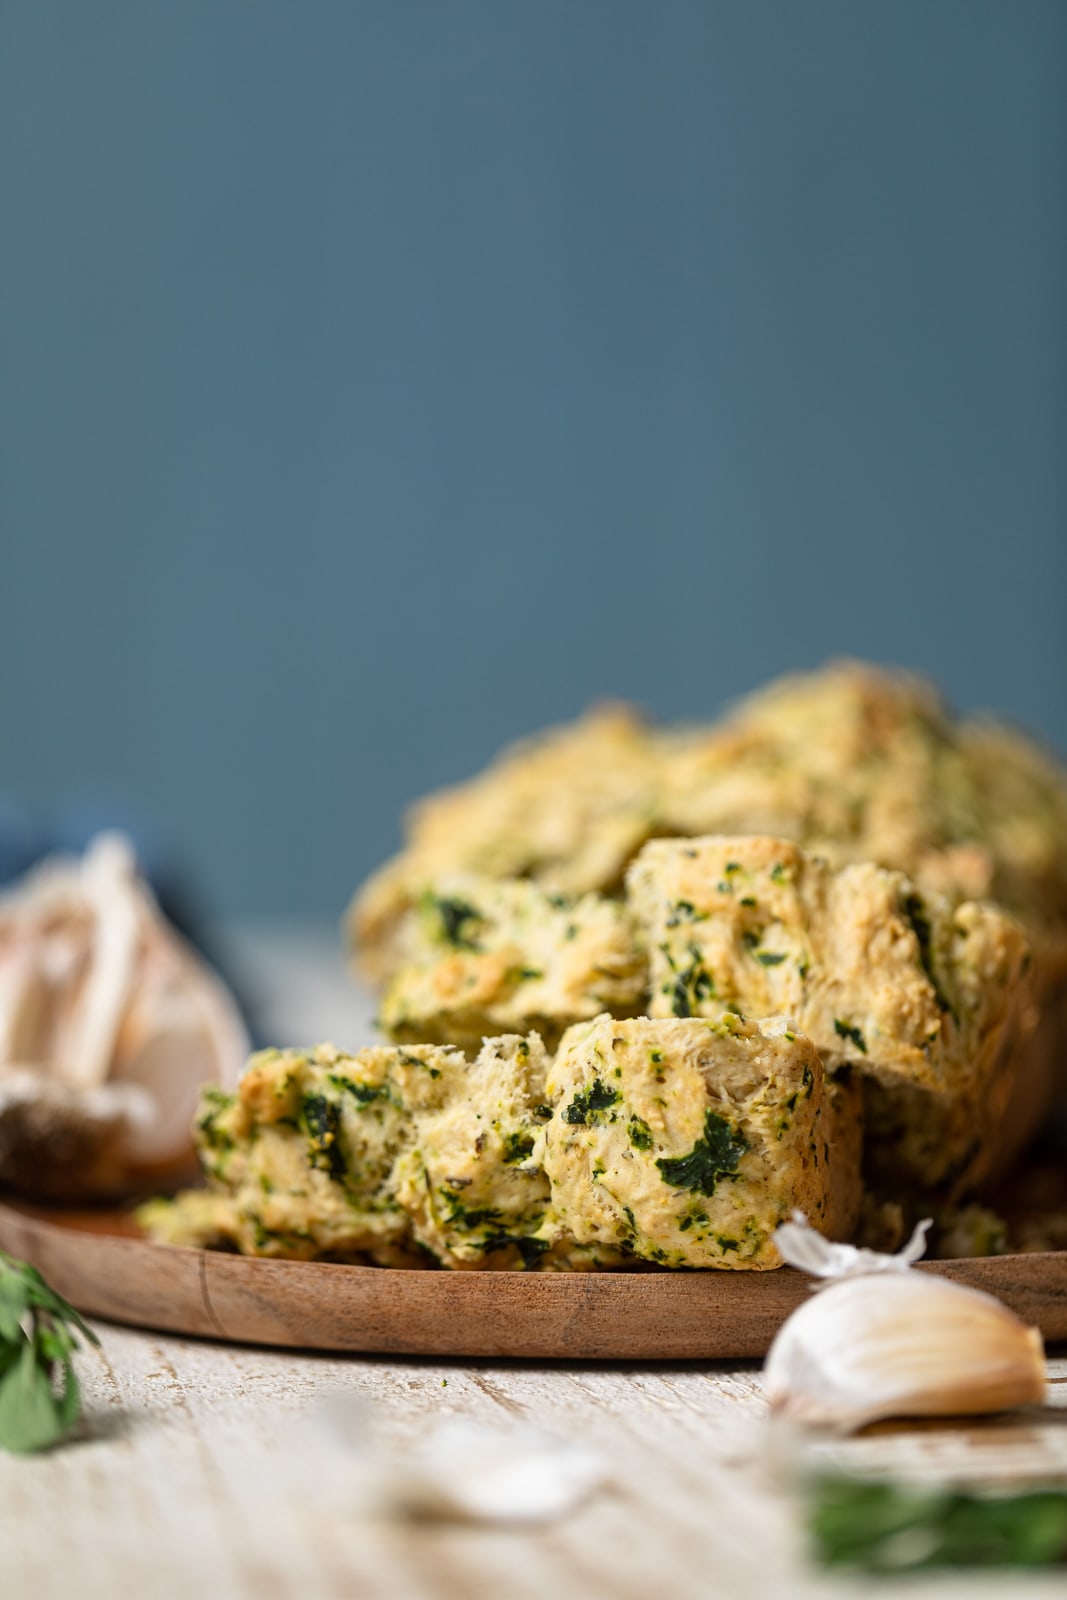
x=907, y=1344
x=800, y=1245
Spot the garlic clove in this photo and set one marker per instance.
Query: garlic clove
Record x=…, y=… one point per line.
x=108, y=884
x=170, y=1061
x=113, y=1023
x=179, y=1032
x=901, y=1344
x=25, y=1003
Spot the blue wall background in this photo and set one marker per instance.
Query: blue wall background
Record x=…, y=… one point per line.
x=381, y=380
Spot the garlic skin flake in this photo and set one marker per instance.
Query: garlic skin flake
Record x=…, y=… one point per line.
x=899, y=1343
x=470, y=1472
x=801, y=1246
x=460, y=1469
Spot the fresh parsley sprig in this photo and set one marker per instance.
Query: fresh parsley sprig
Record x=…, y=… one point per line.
x=39, y=1393
x=895, y=1527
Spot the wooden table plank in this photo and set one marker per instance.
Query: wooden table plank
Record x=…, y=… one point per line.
x=199, y=1465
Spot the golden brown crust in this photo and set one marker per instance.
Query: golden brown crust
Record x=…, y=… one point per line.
x=567, y=809
x=854, y=762
x=859, y=763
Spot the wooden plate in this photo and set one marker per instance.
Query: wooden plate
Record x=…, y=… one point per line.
x=98, y=1261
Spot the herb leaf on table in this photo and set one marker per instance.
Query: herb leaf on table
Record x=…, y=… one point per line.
x=39, y=1394
x=896, y=1527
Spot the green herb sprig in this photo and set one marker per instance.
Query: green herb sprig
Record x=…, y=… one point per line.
x=894, y=1527
x=39, y=1394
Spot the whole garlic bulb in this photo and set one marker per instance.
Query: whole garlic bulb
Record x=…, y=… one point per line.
x=109, y=1025
x=894, y=1342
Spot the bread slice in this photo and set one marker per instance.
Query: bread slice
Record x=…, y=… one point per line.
x=487, y=956
x=927, y=1001
x=686, y=1141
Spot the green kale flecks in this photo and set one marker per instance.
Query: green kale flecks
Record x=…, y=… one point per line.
x=598, y=1097
x=213, y=1102
x=322, y=1123
x=847, y=1030
x=457, y=921
x=915, y=911
x=518, y=1146
x=411, y=1060
x=807, y=1084
x=685, y=911
x=690, y=985
x=530, y=1249
x=475, y=1217
x=640, y=1134
x=363, y=1092
x=714, y=1156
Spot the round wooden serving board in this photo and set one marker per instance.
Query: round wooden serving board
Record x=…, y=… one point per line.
x=98, y=1261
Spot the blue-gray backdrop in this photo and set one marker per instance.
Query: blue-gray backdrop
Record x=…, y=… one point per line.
x=382, y=378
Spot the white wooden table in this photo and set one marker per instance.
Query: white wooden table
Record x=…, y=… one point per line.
x=214, y=1470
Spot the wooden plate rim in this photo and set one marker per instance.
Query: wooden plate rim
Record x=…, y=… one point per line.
x=98, y=1263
